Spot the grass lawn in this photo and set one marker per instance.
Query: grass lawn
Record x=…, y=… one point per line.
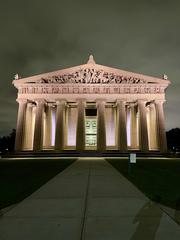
x=20, y=178
x=156, y=178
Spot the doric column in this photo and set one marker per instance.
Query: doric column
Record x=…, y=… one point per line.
x=101, y=128
x=20, y=128
x=153, y=128
x=121, y=126
x=38, y=128
x=161, y=131
x=133, y=125
x=80, y=130
x=28, y=135
x=48, y=126
x=143, y=132
x=60, y=125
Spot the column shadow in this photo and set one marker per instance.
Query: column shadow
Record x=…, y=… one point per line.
x=148, y=219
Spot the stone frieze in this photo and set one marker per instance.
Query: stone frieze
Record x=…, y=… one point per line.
x=90, y=89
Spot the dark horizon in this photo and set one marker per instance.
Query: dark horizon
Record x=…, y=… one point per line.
x=138, y=36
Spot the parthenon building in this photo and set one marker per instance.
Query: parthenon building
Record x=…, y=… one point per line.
x=91, y=107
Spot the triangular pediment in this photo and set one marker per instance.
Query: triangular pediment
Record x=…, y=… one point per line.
x=91, y=73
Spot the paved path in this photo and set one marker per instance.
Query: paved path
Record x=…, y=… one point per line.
x=88, y=200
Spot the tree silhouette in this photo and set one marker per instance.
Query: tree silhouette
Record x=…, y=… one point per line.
x=7, y=142
x=173, y=139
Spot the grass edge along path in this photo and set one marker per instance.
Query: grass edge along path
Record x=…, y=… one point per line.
x=158, y=179
x=20, y=178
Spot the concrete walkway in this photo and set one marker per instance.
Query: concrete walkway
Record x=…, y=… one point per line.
x=88, y=200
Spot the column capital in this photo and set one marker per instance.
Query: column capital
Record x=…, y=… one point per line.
x=21, y=100
x=132, y=104
x=60, y=101
x=142, y=101
x=30, y=104
x=151, y=105
x=39, y=101
x=159, y=101
x=121, y=100
x=50, y=104
x=100, y=100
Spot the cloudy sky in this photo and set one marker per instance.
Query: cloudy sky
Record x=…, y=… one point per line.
x=41, y=36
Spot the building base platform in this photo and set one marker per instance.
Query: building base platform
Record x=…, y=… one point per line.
x=76, y=154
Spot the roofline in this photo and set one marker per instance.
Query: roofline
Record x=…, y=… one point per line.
x=91, y=65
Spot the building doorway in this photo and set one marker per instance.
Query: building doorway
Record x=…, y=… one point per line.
x=91, y=129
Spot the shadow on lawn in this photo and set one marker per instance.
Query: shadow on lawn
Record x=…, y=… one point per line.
x=154, y=177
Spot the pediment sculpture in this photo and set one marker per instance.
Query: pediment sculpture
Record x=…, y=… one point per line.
x=91, y=76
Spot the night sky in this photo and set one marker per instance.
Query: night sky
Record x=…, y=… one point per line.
x=42, y=36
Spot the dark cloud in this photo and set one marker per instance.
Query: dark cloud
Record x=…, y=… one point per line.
x=41, y=36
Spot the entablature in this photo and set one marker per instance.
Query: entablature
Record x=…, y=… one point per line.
x=91, y=88
x=91, y=81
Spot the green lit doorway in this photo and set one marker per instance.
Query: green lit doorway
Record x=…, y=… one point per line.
x=91, y=129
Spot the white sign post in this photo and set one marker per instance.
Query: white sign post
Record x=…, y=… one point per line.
x=132, y=157
x=131, y=160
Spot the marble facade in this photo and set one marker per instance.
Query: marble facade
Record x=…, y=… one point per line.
x=91, y=107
